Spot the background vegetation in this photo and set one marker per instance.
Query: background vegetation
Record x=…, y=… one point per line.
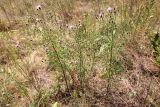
x=79, y=53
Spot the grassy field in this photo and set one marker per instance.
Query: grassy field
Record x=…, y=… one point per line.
x=79, y=53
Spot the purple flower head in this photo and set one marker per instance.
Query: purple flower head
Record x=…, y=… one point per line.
x=100, y=15
x=39, y=7
x=109, y=9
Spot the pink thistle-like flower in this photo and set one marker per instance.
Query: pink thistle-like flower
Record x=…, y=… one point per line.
x=109, y=9
x=39, y=7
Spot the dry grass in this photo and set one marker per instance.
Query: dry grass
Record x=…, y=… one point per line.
x=78, y=53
